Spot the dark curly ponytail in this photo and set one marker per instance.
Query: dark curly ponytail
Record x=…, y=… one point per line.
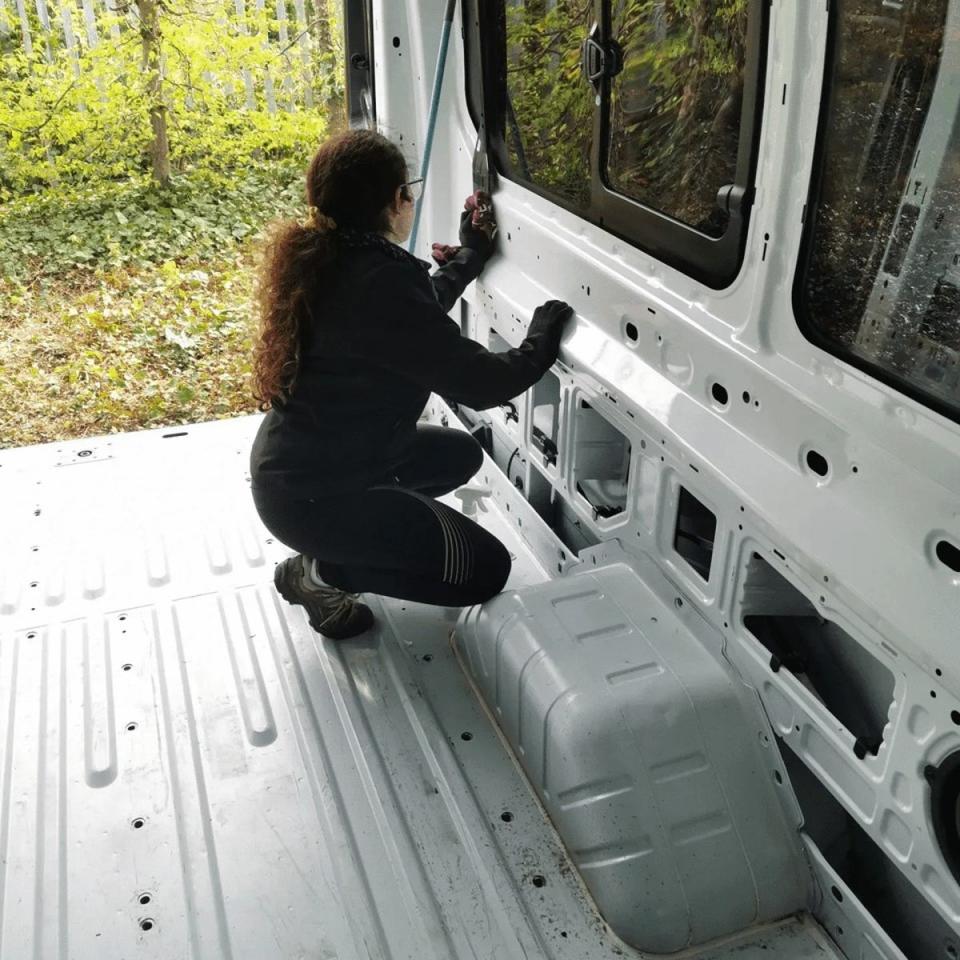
x=350, y=182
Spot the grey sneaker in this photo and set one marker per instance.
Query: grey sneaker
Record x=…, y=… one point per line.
x=334, y=613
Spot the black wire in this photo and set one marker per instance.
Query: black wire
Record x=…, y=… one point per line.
x=510, y=461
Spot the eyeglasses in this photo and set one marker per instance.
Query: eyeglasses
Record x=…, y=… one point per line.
x=413, y=188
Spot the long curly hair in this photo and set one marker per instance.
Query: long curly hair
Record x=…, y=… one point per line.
x=351, y=181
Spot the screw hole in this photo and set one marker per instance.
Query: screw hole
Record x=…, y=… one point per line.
x=948, y=555
x=633, y=334
x=837, y=895
x=506, y=816
x=719, y=393
x=131, y=726
x=427, y=657
x=137, y=823
x=127, y=666
x=144, y=898
x=817, y=462
x=539, y=880
x=146, y=924
x=746, y=396
x=122, y=616
x=466, y=735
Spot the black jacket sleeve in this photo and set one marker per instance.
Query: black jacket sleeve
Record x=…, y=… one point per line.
x=405, y=330
x=450, y=280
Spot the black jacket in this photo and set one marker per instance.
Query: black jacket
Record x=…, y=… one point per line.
x=378, y=342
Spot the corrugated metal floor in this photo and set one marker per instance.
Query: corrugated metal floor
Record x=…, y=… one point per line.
x=188, y=770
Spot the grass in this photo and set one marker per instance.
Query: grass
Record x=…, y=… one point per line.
x=109, y=324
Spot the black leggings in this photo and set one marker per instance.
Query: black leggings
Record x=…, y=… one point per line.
x=394, y=539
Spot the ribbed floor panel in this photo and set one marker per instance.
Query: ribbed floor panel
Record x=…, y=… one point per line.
x=188, y=771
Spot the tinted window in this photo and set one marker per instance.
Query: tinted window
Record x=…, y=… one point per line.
x=882, y=284
x=675, y=108
x=548, y=126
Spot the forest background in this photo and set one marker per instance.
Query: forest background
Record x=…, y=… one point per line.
x=144, y=145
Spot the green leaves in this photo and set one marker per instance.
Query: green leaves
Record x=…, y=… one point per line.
x=132, y=222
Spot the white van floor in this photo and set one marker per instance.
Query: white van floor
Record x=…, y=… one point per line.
x=188, y=770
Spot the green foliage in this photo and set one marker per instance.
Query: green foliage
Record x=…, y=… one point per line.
x=81, y=115
x=98, y=352
x=134, y=222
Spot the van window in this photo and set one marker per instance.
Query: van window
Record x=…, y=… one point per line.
x=675, y=107
x=639, y=115
x=549, y=109
x=879, y=282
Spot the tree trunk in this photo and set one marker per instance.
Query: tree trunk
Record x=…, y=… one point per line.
x=150, y=37
x=334, y=108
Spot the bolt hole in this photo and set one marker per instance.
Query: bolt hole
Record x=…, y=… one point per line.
x=396, y=41
x=126, y=667
x=30, y=636
x=506, y=816
x=817, y=462
x=122, y=616
x=466, y=735
x=131, y=726
x=955, y=717
x=137, y=823
x=837, y=895
x=719, y=393
x=33, y=583
x=633, y=334
x=746, y=396
x=933, y=694
x=144, y=898
x=146, y=924
x=427, y=657
x=948, y=555
x=539, y=880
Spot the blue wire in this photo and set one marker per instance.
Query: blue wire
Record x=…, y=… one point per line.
x=432, y=120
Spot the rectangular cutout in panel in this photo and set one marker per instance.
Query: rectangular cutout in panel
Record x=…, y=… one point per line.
x=546, y=416
x=509, y=410
x=557, y=514
x=694, y=534
x=895, y=904
x=601, y=463
x=841, y=672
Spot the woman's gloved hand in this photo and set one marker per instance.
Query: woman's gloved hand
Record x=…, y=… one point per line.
x=478, y=226
x=550, y=318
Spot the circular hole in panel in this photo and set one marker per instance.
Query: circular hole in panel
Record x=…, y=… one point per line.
x=144, y=898
x=131, y=726
x=746, y=396
x=137, y=823
x=506, y=816
x=817, y=462
x=539, y=880
x=396, y=41
x=955, y=717
x=719, y=393
x=631, y=332
x=948, y=555
x=427, y=657
x=466, y=735
x=146, y=924
x=835, y=890
x=127, y=666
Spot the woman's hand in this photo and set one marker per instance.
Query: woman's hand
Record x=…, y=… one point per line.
x=478, y=226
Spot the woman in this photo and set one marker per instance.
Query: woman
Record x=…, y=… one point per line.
x=354, y=337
